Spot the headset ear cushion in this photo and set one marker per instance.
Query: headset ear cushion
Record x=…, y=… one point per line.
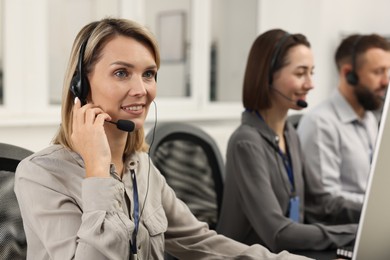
x=352, y=78
x=80, y=87
x=75, y=85
x=79, y=84
x=84, y=88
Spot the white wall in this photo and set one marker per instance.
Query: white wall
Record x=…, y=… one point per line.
x=325, y=22
x=322, y=21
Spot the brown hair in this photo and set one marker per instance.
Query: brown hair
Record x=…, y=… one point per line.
x=97, y=34
x=267, y=55
x=354, y=45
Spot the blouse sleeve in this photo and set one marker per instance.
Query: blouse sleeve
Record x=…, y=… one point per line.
x=94, y=228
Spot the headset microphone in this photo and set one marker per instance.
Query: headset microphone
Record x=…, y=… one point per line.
x=124, y=125
x=300, y=102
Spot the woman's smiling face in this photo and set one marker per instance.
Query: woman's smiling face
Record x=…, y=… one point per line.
x=123, y=80
x=294, y=79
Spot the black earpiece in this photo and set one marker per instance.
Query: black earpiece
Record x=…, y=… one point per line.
x=351, y=76
x=79, y=85
x=275, y=56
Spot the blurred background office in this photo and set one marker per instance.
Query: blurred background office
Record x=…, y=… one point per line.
x=204, y=46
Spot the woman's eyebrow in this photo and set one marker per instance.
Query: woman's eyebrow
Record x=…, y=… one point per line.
x=122, y=63
x=129, y=65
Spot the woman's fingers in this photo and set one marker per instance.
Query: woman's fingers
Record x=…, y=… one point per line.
x=87, y=114
x=92, y=115
x=89, y=138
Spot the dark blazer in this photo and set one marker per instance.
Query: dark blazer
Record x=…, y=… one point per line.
x=257, y=193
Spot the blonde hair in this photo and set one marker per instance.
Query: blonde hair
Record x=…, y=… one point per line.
x=96, y=35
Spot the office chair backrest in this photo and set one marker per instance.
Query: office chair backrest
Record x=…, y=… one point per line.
x=13, y=243
x=192, y=164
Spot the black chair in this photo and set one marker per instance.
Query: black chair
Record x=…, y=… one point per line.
x=13, y=243
x=192, y=164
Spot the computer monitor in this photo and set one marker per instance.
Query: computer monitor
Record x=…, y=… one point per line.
x=373, y=235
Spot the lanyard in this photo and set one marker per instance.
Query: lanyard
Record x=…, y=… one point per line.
x=133, y=243
x=287, y=164
x=286, y=161
x=294, y=202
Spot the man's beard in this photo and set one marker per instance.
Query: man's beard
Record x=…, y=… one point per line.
x=367, y=98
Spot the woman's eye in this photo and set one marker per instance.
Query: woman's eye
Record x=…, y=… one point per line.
x=121, y=73
x=149, y=74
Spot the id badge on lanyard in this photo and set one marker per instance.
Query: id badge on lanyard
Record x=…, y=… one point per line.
x=294, y=202
x=294, y=209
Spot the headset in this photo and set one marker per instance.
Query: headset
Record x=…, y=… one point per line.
x=79, y=85
x=276, y=54
x=351, y=76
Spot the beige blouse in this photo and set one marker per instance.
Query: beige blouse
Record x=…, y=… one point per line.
x=67, y=216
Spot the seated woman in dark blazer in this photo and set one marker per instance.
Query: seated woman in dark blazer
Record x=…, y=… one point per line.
x=269, y=198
